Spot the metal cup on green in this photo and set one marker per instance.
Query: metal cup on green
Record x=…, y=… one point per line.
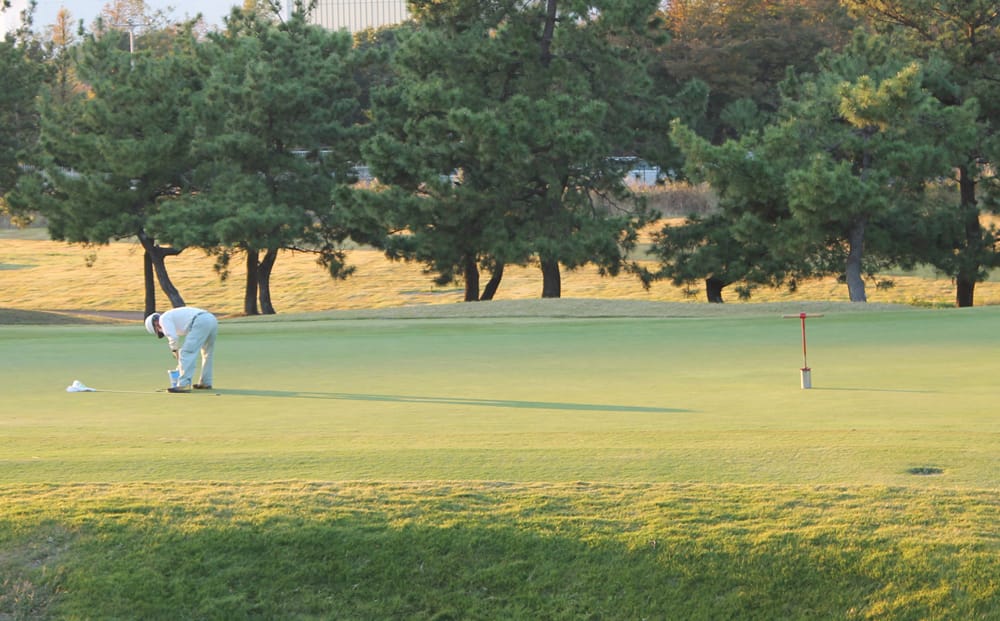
x=807, y=380
x=175, y=377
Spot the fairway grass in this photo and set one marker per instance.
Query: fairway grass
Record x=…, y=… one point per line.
x=565, y=465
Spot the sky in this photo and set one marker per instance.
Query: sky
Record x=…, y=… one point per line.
x=212, y=10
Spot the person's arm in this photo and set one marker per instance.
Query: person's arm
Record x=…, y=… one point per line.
x=170, y=331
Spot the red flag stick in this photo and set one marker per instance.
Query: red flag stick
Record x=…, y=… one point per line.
x=806, y=378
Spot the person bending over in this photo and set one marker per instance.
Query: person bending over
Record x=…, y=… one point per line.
x=199, y=329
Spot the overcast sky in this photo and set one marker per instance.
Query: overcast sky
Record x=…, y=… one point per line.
x=212, y=10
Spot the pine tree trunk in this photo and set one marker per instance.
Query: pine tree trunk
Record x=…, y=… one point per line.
x=471, y=279
x=713, y=289
x=551, y=279
x=852, y=270
x=149, y=280
x=156, y=255
x=965, y=291
x=264, y=281
x=548, y=32
x=856, y=236
x=491, y=287
x=968, y=270
x=250, y=291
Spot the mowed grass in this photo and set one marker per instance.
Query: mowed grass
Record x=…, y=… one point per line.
x=551, y=465
x=546, y=399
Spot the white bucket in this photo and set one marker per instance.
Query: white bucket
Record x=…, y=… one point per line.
x=175, y=377
x=807, y=381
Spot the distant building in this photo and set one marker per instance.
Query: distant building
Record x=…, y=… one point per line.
x=355, y=15
x=12, y=16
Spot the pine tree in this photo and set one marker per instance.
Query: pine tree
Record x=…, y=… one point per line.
x=497, y=139
x=834, y=186
x=116, y=151
x=21, y=64
x=958, y=42
x=277, y=130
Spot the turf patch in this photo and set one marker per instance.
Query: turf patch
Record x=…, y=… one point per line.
x=925, y=470
x=15, y=317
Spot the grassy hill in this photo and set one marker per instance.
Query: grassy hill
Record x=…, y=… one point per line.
x=41, y=275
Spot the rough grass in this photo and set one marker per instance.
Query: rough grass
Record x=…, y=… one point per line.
x=50, y=276
x=468, y=550
x=14, y=317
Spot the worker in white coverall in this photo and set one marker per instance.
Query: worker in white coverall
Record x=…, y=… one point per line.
x=199, y=329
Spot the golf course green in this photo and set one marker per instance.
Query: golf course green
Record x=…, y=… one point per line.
x=611, y=466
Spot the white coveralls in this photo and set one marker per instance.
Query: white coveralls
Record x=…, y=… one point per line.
x=199, y=329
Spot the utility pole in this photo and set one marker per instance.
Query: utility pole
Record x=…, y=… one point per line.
x=131, y=26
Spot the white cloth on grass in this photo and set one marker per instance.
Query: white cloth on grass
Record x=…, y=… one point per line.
x=78, y=386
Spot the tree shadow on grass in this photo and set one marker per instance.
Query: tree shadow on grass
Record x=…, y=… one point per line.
x=464, y=401
x=453, y=553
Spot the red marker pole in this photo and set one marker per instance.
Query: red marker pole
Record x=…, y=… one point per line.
x=806, y=371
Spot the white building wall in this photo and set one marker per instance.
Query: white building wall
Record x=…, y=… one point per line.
x=355, y=15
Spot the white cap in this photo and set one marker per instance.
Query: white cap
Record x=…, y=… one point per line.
x=150, y=327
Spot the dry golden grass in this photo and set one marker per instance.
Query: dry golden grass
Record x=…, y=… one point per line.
x=678, y=199
x=40, y=275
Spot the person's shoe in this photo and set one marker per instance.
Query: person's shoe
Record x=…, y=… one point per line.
x=203, y=387
x=183, y=388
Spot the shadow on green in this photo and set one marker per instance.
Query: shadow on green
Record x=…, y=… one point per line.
x=497, y=403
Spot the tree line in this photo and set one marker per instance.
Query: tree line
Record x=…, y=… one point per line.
x=841, y=138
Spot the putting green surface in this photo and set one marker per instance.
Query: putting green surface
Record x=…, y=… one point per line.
x=712, y=400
